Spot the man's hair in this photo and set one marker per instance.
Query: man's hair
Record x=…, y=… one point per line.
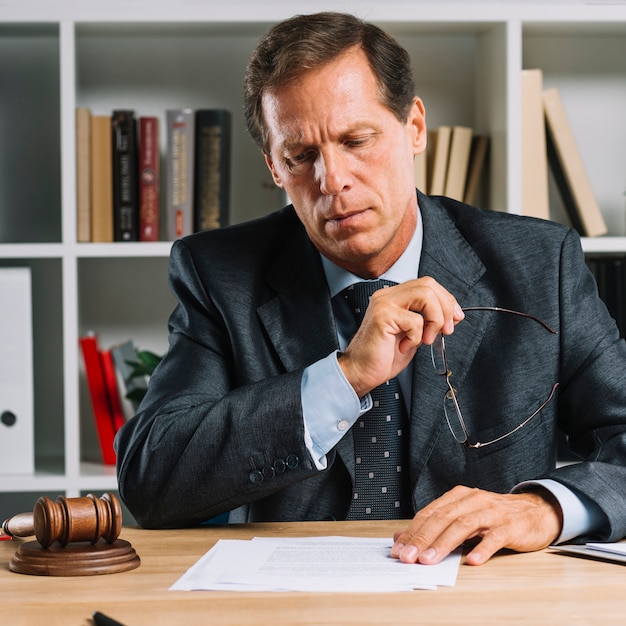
x=306, y=42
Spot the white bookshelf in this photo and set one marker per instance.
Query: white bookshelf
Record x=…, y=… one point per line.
x=150, y=56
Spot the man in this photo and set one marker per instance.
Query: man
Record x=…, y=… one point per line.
x=258, y=406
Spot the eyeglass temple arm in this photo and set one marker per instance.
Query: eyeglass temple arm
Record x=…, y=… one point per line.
x=511, y=312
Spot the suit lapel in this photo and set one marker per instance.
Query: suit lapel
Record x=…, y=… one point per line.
x=299, y=319
x=449, y=259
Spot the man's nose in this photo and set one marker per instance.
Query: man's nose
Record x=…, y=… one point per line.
x=333, y=171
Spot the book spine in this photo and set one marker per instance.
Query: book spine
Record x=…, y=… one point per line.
x=456, y=175
x=476, y=168
x=438, y=159
x=110, y=384
x=149, y=179
x=83, y=175
x=179, y=172
x=535, y=194
x=568, y=169
x=124, y=355
x=99, y=397
x=212, y=168
x=125, y=204
x=420, y=171
x=101, y=179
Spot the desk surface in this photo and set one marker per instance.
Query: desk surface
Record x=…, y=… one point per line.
x=536, y=588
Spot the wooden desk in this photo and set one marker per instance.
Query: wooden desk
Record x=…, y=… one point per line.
x=536, y=588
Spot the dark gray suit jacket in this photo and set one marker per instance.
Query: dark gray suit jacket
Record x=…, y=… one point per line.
x=221, y=426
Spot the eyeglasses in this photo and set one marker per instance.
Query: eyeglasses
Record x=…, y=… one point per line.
x=452, y=411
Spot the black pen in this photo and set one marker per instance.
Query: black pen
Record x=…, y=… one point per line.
x=100, y=619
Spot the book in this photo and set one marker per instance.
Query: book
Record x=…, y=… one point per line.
x=476, y=167
x=610, y=274
x=149, y=179
x=568, y=169
x=420, y=171
x=535, y=196
x=437, y=167
x=125, y=183
x=124, y=355
x=179, y=172
x=109, y=374
x=98, y=396
x=458, y=159
x=83, y=174
x=212, y=168
x=101, y=179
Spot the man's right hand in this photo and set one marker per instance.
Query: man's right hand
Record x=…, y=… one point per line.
x=397, y=321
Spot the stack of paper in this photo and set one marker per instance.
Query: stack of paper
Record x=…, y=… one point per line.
x=615, y=552
x=324, y=564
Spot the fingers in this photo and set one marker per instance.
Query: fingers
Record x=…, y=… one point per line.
x=395, y=308
x=522, y=522
x=397, y=321
x=439, y=528
x=438, y=307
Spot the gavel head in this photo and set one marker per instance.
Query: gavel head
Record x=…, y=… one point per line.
x=77, y=519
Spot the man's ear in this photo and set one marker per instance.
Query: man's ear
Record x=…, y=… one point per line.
x=416, y=121
x=272, y=169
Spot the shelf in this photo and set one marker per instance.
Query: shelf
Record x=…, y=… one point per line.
x=131, y=250
x=604, y=245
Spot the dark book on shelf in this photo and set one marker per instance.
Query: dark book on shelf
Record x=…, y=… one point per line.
x=149, y=179
x=125, y=180
x=610, y=274
x=179, y=172
x=212, y=168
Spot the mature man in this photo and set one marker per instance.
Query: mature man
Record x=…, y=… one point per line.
x=275, y=402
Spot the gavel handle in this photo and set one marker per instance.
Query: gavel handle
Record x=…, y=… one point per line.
x=20, y=525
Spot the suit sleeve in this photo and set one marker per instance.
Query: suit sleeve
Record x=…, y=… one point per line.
x=593, y=393
x=207, y=438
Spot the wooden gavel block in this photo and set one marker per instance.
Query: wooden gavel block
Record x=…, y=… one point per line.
x=75, y=537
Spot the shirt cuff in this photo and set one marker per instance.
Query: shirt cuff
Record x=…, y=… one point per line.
x=581, y=516
x=330, y=407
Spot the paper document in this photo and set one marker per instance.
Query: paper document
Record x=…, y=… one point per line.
x=324, y=564
x=614, y=552
x=613, y=548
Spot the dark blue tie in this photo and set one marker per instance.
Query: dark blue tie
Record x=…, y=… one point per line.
x=380, y=437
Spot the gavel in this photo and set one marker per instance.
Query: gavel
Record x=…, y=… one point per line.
x=69, y=520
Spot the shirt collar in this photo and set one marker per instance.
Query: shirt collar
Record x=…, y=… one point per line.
x=405, y=268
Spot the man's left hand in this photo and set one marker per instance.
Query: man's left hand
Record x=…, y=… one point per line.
x=522, y=521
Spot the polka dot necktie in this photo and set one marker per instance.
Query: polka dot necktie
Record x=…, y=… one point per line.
x=380, y=437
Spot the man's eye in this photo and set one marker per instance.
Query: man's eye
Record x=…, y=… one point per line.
x=357, y=142
x=298, y=159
